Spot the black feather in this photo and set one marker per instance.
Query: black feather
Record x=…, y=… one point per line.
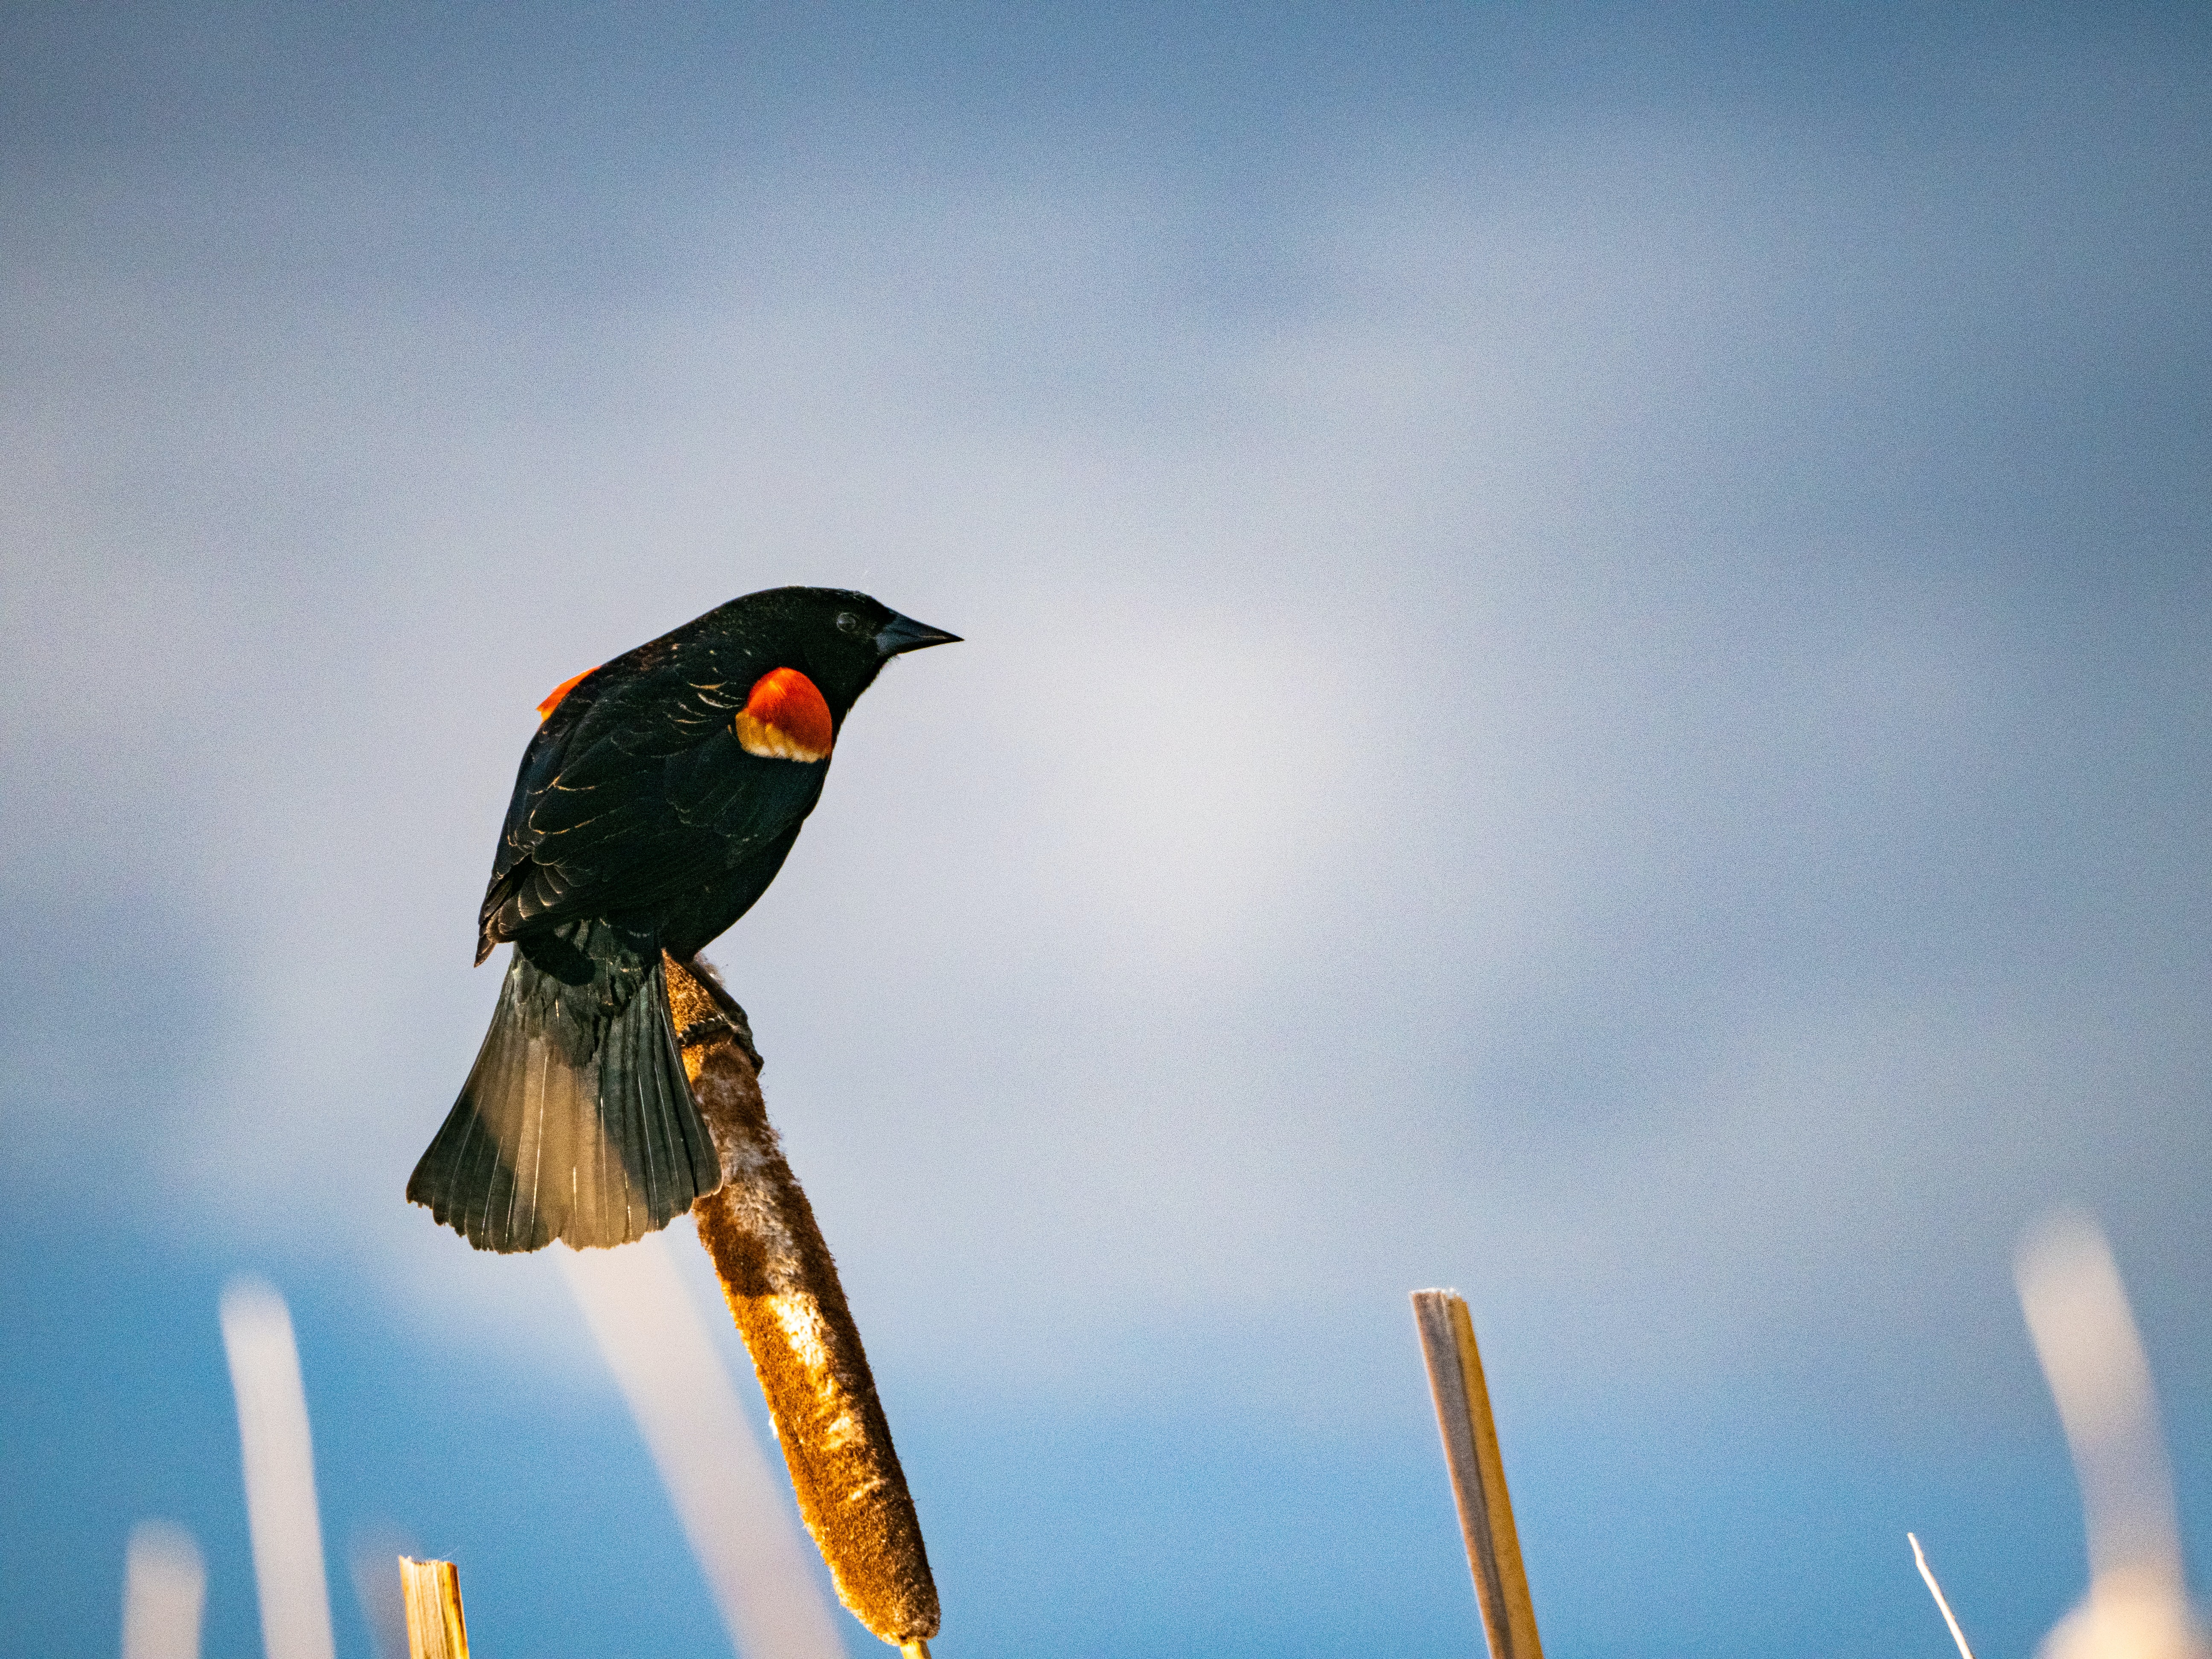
x=576, y=1122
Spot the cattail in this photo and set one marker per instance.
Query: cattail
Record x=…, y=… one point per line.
x=782, y=1287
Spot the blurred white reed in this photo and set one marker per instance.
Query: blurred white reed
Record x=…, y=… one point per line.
x=164, y=1586
x=372, y=1559
x=1928, y=1573
x=280, y=1472
x=731, y=1504
x=2077, y=1313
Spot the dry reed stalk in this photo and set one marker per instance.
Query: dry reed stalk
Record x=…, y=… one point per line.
x=1936, y=1589
x=1478, y=1474
x=782, y=1289
x=435, y=1629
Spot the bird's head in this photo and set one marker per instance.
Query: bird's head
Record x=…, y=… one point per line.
x=838, y=638
x=814, y=651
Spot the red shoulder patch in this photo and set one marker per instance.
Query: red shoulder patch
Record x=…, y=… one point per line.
x=553, y=697
x=785, y=719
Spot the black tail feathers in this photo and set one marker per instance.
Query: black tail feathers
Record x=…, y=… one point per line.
x=576, y=1122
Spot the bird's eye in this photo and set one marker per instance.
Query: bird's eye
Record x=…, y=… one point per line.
x=849, y=623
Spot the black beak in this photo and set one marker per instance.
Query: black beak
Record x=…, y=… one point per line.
x=904, y=634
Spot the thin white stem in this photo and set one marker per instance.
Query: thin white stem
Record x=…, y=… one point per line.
x=1937, y=1590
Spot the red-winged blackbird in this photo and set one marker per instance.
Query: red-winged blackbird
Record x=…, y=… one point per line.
x=655, y=804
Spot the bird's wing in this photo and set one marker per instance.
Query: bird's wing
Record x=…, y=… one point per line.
x=640, y=796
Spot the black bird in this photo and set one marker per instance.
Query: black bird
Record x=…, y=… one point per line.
x=655, y=804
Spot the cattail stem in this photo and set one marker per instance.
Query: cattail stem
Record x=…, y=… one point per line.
x=1478, y=1474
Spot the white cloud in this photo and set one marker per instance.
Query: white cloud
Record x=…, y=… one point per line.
x=1423, y=786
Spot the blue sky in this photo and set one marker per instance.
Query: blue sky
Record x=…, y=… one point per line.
x=1587, y=678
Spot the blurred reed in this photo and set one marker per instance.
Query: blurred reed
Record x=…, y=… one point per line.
x=2085, y=1335
x=726, y=1495
x=280, y=1472
x=369, y=1555
x=164, y=1588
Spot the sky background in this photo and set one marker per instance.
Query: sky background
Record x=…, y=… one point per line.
x=1588, y=677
